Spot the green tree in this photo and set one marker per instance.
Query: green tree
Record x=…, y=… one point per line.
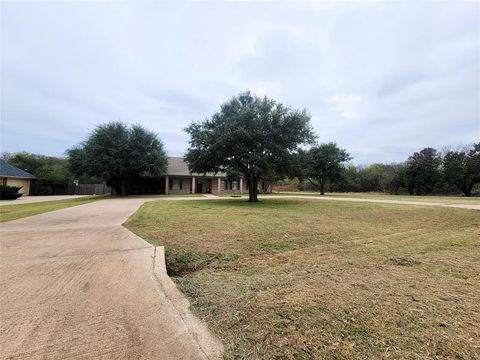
x=462, y=168
x=376, y=177
x=422, y=171
x=252, y=136
x=325, y=164
x=349, y=182
x=119, y=155
x=45, y=168
x=396, y=181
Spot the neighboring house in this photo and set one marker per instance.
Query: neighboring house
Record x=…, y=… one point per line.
x=179, y=180
x=13, y=176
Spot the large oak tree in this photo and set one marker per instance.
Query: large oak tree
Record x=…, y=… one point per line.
x=252, y=136
x=119, y=154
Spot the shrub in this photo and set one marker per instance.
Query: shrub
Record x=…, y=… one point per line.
x=9, y=192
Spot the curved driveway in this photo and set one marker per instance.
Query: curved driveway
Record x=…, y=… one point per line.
x=76, y=284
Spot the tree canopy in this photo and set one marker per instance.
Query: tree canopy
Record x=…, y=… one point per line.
x=462, y=168
x=119, y=154
x=45, y=168
x=422, y=171
x=324, y=163
x=253, y=136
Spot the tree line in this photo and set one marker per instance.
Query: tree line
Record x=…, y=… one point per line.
x=425, y=172
x=264, y=141
x=261, y=140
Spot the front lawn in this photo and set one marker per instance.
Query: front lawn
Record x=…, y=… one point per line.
x=301, y=279
x=13, y=212
x=422, y=198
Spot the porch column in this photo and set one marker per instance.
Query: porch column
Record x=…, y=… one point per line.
x=193, y=184
x=219, y=185
x=241, y=185
x=166, y=185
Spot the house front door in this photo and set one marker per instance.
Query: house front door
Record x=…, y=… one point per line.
x=198, y=188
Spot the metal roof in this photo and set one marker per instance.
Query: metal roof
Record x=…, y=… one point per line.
x=7, y=170
x=178, y=167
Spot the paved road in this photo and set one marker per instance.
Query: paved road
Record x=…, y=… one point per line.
x=76, y=284
x=39, y=198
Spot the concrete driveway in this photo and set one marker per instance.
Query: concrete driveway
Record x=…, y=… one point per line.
x=76, y=284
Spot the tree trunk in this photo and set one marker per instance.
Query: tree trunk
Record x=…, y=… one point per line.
x=322, y=187
x=411, y=189
x=123, y=190
x=467, y=188
x=252, y=189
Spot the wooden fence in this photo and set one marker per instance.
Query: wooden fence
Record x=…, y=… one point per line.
x=90, y=189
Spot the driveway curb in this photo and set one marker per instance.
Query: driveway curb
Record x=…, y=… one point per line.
x=210, y=346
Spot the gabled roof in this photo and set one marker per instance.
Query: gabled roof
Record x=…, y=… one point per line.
x=178, y=167
x=7, y=170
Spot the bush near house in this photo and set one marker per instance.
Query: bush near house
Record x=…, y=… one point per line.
x=9, y=192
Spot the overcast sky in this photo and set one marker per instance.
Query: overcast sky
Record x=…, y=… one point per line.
x=380, y=79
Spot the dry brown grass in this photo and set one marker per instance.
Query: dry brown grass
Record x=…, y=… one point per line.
x=288, y=279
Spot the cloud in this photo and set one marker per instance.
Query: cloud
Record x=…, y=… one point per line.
x=380, y=79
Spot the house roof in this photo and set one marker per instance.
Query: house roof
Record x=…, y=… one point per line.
x=7, y=170
x=178, y=167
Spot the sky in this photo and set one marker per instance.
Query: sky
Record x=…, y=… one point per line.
x=381, y=79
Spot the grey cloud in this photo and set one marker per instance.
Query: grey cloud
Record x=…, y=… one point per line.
x=381, y=79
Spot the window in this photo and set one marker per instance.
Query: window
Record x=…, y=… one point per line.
x=181, y=184
x=170, y=184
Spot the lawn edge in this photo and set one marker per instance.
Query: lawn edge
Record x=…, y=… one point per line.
x=210, y=346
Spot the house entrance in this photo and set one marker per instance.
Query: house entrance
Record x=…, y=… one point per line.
x=198, y=187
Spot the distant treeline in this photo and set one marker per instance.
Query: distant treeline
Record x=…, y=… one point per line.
x=425, y=172
x=54, y=175
x=428, y=171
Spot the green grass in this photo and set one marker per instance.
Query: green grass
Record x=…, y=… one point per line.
x=159, y=196
x=425, y=198
x=13, y=212
x=299, y=279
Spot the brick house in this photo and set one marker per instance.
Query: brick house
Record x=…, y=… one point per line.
x=13, y=176
x=179, y=180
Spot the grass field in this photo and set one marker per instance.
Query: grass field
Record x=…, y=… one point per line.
x=13, y=212
x=425, y=198
x=161, y=195
x=298, y=279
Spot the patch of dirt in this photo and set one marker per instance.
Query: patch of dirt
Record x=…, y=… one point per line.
x=403, y=261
